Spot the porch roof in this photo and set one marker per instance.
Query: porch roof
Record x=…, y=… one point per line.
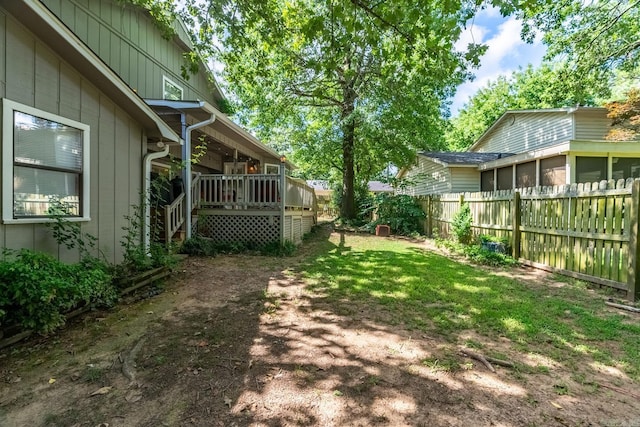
x=201, y=110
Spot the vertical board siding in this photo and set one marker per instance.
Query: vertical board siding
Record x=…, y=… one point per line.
x=131, y=44
x=583, y=229
x=39, y=78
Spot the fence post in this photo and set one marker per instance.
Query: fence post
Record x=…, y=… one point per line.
x=633, y=283
x=429, y=215
x=515, y=223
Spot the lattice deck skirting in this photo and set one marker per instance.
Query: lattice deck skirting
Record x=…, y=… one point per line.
x=254, y=227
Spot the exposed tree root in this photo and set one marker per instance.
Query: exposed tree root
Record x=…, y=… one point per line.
x=486, y=360
x=128, y=363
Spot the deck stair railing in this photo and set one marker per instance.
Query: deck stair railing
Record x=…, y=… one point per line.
x=174, y=217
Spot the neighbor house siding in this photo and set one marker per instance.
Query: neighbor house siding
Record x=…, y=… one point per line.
x=522, y=132
x=465, y=179
x=428, y=178
x=126, y=39
x=592, y=125
x=37, y=77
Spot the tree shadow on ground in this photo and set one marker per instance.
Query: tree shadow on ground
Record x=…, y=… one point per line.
x=320, y=340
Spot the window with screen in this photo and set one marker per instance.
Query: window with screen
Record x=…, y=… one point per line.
x=45, y=159
x=487, y=180
x=553, y=171
x=526, y=175
x=625, y=167
x=591, y=169
x=505, y=178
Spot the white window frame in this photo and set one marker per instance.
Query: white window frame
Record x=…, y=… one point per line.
x=8, y=109
x=166, y=80
x=271, y=169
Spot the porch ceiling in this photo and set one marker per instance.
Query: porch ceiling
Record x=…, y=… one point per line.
x=248, y=146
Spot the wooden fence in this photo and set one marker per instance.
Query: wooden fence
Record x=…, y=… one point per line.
x=587, y=231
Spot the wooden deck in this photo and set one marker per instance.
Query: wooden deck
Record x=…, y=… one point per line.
x=246, y=208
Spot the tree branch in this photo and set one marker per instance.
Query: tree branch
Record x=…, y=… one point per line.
x=377, y=16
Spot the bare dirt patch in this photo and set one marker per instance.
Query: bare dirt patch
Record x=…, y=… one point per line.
x=240, y=340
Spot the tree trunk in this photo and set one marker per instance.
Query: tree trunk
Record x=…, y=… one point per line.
x=348, y=206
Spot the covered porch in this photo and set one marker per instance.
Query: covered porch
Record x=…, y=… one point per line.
x=237, y=187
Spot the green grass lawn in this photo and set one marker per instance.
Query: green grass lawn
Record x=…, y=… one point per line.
x=403, y=284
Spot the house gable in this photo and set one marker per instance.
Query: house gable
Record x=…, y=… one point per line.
x=528, y=130
x=126, y=38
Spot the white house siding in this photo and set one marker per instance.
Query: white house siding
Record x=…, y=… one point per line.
x=591, y=125
x=35, y=76
x=127, y=40
x=521, y=132
x=429, y=178
x=464, y=179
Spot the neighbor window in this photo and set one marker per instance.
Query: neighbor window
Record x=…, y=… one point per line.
x=553, y=171
x=526, y=175
x=505, y=178
x=591, y=169
x=625, y=167
x=45, y=158
x=171, y=90
x=487, y=180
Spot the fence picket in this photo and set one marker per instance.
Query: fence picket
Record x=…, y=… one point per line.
x=582, y=230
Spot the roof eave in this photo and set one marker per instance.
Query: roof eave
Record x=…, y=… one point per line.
x=187, y=106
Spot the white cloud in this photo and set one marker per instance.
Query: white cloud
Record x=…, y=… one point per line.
x=506, y=52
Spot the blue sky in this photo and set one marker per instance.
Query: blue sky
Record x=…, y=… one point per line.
x=506, y=51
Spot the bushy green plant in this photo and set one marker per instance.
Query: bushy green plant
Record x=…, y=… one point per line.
x=363, y=200
x=275, y=248
x=402, y=213
x=36, y=290
x=69, y=234
x=198, y=246
x=136, y=256
x=201, y=246
x=461, y=224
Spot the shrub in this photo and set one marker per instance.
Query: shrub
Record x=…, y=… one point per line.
x=402, y=213
x=202, y=246
x=461, y=224
x=36, y=290
x=280, y=250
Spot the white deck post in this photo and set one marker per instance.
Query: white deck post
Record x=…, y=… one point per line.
x=283, y=192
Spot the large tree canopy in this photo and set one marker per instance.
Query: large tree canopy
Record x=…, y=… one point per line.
x=594, y=36
x=346, y=85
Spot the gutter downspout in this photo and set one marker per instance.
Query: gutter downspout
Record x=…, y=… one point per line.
x=148, y=158
x=186, y=174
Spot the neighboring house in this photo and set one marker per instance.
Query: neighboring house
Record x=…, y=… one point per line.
x=530, y=148
x=97, y=79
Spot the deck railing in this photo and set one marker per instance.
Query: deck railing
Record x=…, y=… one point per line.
x=239, y=192
x=253, y=192
x=174, y=217
x=299, y=195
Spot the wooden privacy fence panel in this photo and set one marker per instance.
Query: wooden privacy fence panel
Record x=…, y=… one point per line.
x=587, y=231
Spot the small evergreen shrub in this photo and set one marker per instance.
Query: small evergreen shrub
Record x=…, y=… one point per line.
x=461, y=224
